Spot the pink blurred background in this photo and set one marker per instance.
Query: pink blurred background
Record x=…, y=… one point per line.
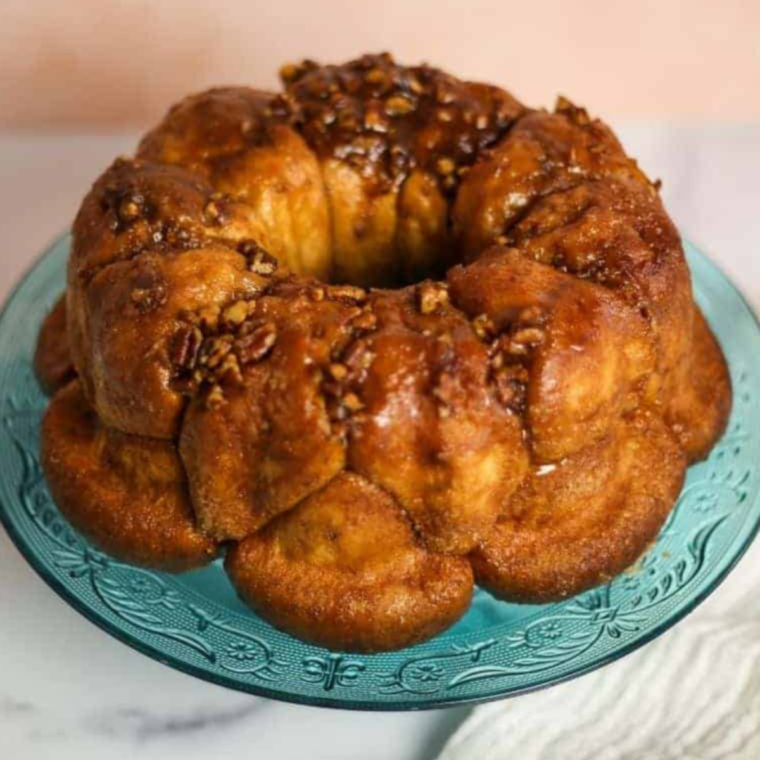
x=117, y=65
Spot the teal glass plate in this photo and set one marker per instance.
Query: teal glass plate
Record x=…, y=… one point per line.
x=195, y=623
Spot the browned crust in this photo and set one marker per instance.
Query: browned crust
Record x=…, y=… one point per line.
x=126, y=494
x=581, y=522
x=344, y=570
x=700, y=404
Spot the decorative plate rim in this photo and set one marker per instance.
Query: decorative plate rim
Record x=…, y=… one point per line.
x=68, y=595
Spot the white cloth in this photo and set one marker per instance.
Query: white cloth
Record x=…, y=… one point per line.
x=692, y=694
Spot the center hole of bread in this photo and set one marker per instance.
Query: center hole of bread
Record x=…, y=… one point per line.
x=389, y=267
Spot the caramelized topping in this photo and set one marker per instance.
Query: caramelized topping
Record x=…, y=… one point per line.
x=385, y=119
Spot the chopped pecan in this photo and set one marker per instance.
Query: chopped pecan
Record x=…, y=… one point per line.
x=215, y=397
x=338, y=371
x=149, y=298
x=365, y=321
x=528, y=336
x=484, y=327
x=398, y=105
x=236, y=313
x=349, y=292
x=257, y=344
x=214, y=350
x=263, y=263
x=184, y=347
x=431, y=296
x=229, y=369
x=352, y=402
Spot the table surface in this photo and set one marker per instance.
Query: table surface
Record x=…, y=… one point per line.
x=66, y=687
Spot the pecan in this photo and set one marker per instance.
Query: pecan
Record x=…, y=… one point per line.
x=183, y=351
x=263, y=263
x=364, y=321
x=150, y=298
x=531, y=315
x=236, y=313
x=516, y=349
x=207, y=318
x=213, y=351
x=398, y=105
x=375, y=121
x=357, y=356
x=290, y=72
x=484, y=327
x=230, y=369
x=415, y=85
x=431, y=296
x=338, y=371
x=445, y=166
x=281, y=105
x=257, y=344
x=528, y=336
x=375, y=76
x=444, y=94
x=212, y=212
x=215, y=397
x=352, y=402
x=349, y=292
x=130, y=209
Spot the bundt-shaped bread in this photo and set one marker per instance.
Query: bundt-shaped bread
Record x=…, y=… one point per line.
x=379, y=331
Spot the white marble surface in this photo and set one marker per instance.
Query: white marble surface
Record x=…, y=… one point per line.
x=67, y=689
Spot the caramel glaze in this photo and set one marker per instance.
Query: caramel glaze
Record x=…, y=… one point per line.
x=391, y=322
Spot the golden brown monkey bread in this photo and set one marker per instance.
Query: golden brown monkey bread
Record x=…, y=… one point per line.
x=566, y=353
x=344, y=570
x=580, y=522
x=429, y=428
x=375, y=327
x=52, y=358
x=128, y=495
